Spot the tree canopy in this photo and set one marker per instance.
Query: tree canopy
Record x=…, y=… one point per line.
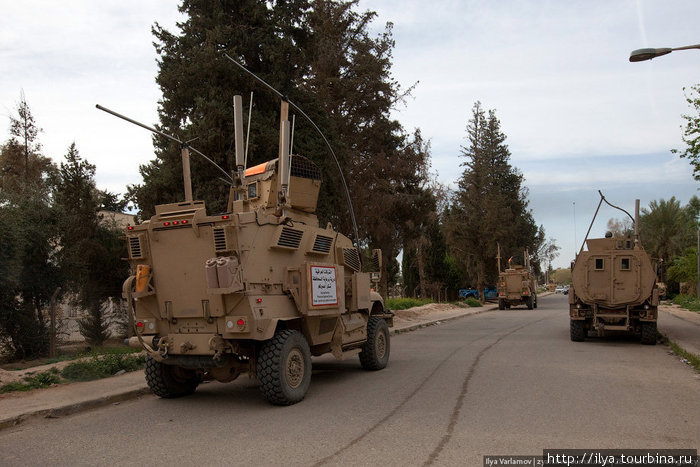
x=691, y=132
x=321, y=55
x=490, y=206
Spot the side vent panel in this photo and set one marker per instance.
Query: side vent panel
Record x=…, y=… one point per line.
x=351, y=258
x=322, y=245
x=136, y=250
x=288, y=238
x=220, y=243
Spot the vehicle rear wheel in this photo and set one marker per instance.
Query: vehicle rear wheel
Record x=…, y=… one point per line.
x=578, y=330
x=501, y=304
x=535, y=304
x=284, y=368
x=649, y=333
x=169, y=381
x=528, y=302
x=375, y=351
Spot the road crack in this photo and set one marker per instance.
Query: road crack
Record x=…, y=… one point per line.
x=415, y=391
x=454, y=418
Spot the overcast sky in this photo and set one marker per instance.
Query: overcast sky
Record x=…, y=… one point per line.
x=577, y=114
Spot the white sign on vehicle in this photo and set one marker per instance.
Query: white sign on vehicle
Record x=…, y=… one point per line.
x=323, y=286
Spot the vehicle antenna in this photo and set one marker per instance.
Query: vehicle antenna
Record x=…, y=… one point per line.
x=291, y=139
x=602, y=198
x=247, y=136
x=183, y=144
x=330, y=149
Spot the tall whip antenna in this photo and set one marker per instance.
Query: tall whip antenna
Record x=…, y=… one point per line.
x=165, y=135
x=303, y=114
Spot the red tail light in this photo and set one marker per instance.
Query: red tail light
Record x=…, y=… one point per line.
x=240, y=322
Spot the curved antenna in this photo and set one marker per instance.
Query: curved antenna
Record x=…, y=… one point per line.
x=165, y=135
x=602, y=198
x=298, y=109
x=616, y=207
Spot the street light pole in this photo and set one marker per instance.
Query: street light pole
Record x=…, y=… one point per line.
x=640, y=55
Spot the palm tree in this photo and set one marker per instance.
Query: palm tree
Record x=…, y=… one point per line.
x=667, y=229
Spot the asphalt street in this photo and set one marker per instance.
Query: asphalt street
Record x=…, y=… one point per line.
x=505, y=382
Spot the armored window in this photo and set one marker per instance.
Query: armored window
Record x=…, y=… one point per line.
x=625, y=264
x=252, y=191
x=628, y=244
x=237, y=196
x=599, y=264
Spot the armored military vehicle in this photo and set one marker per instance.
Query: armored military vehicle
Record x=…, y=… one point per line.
x=516, y=284
x=613, y=286
x=258, y=289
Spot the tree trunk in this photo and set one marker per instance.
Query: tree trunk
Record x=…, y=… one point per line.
x=421, y=267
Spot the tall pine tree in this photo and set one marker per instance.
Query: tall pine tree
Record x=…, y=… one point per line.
x=28, y=275
x=321, y=55
x=90, y=251
x=490, y=205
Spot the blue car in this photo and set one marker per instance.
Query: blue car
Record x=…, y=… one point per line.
x=490, y=293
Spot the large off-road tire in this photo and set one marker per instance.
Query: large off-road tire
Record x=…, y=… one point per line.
x=528, y=302
x=284, y=368
x=501, y=304
x=649, y=333
x=375, y=351
x=169, y=381
x=578, y=330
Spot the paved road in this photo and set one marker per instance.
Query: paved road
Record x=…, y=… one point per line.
x=503, y=382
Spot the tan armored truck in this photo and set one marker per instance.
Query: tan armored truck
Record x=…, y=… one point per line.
x=613, y=287
x=516, y=284
x=258, y=289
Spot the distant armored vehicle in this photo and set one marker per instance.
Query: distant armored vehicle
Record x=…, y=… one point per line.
x=516, y=284
x=257, y=289
x=614, y=287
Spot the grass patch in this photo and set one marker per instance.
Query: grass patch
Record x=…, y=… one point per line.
x=102, y=366
x=687, y=302
x=473, y=302
x=40, y=380
x=69, y=353
x=690, y=358
x=96, y=366
x=404, y=303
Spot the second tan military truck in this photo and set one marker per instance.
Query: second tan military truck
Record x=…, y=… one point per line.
x=516, y=284
x=614, y=287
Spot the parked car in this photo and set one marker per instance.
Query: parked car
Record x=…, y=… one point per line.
x=559, y=289
x=490, y=293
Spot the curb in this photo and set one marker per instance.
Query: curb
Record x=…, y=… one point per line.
x=70, y=409
x=414, y=327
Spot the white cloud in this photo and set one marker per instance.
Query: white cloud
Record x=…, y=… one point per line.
x=556, y=72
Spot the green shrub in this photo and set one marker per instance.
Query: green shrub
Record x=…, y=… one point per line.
x=473, y=302
x=405, y=303
x=101, y=367
x=688, y=302
x=40, y=380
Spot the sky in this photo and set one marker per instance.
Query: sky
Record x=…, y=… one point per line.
x=578, y=116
